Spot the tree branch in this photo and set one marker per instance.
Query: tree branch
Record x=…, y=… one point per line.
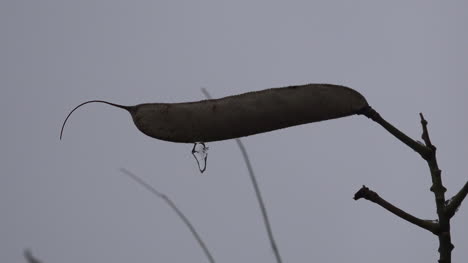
x=372, y=196
x=175, y=208
x=445, y=243
x=455, y=202
x=428, y=153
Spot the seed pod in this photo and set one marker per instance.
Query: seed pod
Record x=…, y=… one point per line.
x=242, y=115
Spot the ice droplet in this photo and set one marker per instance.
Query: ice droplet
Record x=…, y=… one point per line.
x=200, y=152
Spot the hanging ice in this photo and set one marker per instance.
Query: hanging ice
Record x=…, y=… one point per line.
x=200, y=152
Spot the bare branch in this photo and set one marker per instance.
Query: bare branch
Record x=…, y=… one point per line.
x=428, y=153
x=445, y=243
x=175, y=208
x=253, y=179
x=372, y=196
x=455, y=202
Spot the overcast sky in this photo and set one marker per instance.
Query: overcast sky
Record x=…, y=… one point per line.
x=68, y=202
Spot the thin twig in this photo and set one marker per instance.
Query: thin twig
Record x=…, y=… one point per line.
x=372, y=196
x=445, y=243
x=253, y=179
x=456, y=201
x=174, y=207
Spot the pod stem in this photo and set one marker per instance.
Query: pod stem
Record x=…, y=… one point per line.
x=127, y=108
x=372, y=114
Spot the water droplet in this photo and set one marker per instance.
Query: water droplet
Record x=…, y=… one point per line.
x=200, y=152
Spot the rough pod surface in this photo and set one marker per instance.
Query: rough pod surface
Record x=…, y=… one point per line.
x=245, y=114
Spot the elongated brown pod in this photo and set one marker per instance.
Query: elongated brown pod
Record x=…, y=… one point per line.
x=242, y=115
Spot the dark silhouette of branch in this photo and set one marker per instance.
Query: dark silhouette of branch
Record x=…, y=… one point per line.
x=445, y=210
x=253, y=179
x=445, y=243
x=455, y=202
x=372, y=196
x=175, y=208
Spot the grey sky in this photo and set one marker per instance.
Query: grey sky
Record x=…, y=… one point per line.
x=68, y=202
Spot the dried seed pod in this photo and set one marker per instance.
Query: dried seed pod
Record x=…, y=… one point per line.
x=242, y=115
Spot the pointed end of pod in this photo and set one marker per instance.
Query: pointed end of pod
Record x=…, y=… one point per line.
x=130, y=109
